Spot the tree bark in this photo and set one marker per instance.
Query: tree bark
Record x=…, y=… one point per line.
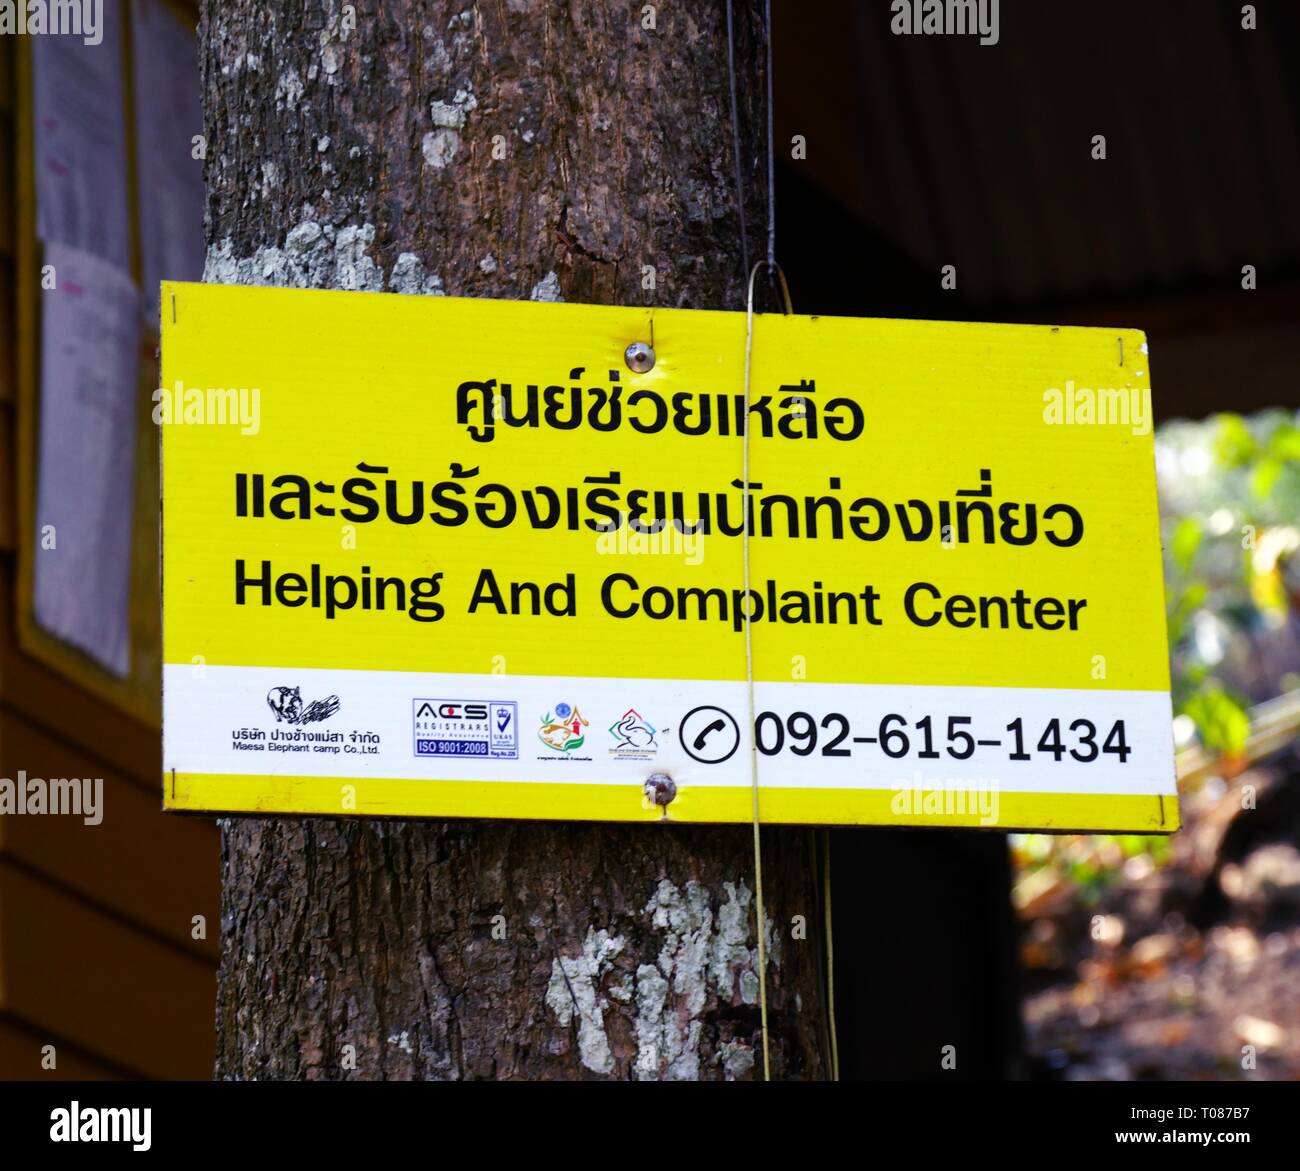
x=367, y=155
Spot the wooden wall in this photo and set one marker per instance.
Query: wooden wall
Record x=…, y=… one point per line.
x=97, y=955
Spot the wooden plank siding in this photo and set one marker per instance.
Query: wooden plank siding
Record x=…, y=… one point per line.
x=97, y=955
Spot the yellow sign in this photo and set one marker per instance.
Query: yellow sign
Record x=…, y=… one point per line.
x=434, y=556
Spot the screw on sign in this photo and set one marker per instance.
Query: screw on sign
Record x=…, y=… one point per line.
x=660, y=789
x=640, y=357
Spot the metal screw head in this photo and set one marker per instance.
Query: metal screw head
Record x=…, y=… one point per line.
x=639, y=357
x=660, y=789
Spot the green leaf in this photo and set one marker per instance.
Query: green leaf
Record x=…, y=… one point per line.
x=1284, y=443
x=1264, y=477
x=1186, y=541
x=1234, y=445
x=1221, y=722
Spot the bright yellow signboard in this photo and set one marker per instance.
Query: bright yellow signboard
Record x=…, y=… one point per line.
x=445, y=557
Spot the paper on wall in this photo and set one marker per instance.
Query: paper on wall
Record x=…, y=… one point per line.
x=168, y=114
x=80, y=143
x=84, y=495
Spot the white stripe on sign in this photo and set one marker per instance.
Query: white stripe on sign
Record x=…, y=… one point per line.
x=260, y=721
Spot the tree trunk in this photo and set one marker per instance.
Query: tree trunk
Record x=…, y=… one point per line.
x=362, y=151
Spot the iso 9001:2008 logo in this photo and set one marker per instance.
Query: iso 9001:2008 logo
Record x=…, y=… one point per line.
x=486, y=728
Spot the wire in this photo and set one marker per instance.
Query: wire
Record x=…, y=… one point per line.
x=830, y=953
x=773, y=272
x=749, y=663
x=735, y=140
x=771, y=152
x=749, y=691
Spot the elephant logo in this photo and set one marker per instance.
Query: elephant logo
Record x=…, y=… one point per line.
x=634, y=736
x=287, y=704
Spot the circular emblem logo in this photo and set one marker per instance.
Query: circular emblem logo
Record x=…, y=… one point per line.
x=709, y=734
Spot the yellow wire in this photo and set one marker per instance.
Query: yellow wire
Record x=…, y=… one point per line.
x=762, y=945
x=749, y=675
x=830, y=953
x=749, y=662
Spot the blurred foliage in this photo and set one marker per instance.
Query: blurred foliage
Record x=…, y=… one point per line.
x=1230, y=510
x=1230, y=502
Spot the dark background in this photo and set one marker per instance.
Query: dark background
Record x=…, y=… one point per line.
x=925, y=151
